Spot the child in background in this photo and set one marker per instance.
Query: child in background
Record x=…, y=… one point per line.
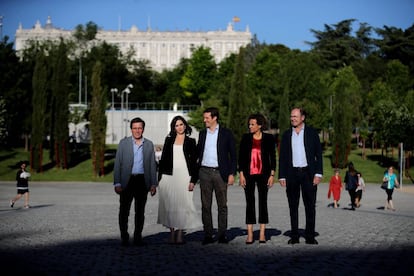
x=22, y=177
x=360, y=188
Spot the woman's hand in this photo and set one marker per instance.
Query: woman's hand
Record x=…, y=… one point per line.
x=242, y=180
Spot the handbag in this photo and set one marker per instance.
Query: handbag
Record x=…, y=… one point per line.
x=384, y=185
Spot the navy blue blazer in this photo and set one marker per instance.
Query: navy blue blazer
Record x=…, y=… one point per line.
x=313, y=151
x=268, y=153
x=226, y=151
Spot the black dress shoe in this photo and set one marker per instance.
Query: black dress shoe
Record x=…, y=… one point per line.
x=311, y=241
x=223, y=239
x=207, y=240
x=293, y=241
x=262, y=241
x=250, y=242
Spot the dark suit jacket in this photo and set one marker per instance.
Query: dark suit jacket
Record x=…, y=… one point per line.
x=190, y=154
x=268, y=153
x=226, y=151
x=313, y=151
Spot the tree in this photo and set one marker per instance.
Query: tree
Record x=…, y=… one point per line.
x=337, y=47
x=60, y=106
x=396, y=43
x=98, y=121
x=199, y=75
x=87, y=32
x=3, y=129
x=266, y=83
x=346, y=104
x=397, y=77
x=16, y=91
x=40, y=93
x=238, y=99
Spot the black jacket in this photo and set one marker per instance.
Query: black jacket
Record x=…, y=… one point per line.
x=190, y=154
x=313, y=153
x=268, y=153
x=226, y=151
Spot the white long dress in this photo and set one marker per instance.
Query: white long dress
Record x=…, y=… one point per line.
x=176, y=207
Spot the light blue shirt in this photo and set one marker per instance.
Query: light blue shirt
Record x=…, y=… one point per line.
x=138, y=167
x=210, y=158
x=298, y=149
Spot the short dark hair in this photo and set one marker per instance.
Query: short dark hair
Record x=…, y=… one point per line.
x=188, y=128
x=137, y=120
x=213, y=111
x=260, y=119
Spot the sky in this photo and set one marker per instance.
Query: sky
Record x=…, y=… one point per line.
x=287, y=22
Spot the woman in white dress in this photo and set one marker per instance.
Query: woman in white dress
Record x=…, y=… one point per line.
x=177, y=175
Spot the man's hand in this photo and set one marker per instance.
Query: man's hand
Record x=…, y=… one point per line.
x=118, y=189
x=316, y=180
x=153, y=190
x=282, y=182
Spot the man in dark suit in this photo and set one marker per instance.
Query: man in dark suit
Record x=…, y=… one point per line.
x=218, y=164
x=300, y=168
x=135, y=173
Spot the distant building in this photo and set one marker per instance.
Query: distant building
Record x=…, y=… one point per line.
x=163, y=49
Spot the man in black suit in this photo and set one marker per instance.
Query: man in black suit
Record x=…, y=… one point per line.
x=217, y=160
x=300, y=168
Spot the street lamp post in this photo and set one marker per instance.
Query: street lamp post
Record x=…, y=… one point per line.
x=127, y=90
x=113, y=91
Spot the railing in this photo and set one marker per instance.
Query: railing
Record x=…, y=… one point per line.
x=153, y=106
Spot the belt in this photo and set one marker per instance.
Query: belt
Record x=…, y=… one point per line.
x=301, y=169
x=136, y=174
x=210, y=168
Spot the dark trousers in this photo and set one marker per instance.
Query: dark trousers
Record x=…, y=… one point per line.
x=261, y=182
x=137, y=191
x=301, y=180
x=389, y=193
x=352, y=195
x=210, y=180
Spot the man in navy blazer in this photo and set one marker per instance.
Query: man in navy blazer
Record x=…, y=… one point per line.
x=218, y=164
x=135, y=173
x=300, y=168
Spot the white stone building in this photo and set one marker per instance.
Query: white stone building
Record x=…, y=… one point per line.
x=163, y=49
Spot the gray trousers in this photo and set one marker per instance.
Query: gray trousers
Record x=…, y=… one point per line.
x=210, y=180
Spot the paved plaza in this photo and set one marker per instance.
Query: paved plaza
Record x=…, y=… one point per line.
x=72, y=229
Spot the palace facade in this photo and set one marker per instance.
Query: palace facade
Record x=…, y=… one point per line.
x=163, y=49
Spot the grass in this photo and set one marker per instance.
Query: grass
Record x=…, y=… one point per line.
x=82, y=171
x=372, y=168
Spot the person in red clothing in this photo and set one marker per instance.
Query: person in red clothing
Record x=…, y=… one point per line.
x=335, y=188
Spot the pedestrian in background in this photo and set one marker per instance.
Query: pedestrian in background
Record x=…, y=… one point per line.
x=351, y=183
x=301, y=168
x=218, y=165
x=135, y=174
x=178, y=174
x=335, y=188
x=257, y=165
x=22, y=178
x=391, y=178
x=360, y=188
